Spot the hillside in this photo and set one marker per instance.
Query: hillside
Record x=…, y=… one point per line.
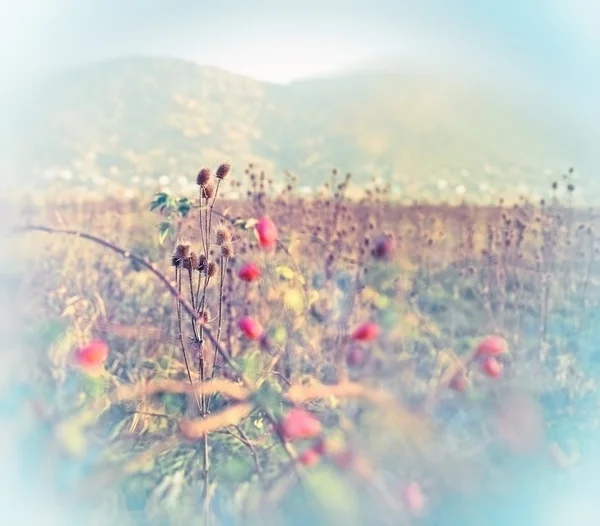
x=153, y=116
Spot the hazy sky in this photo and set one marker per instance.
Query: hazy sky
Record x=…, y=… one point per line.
x=540, y=49
x=281, y=40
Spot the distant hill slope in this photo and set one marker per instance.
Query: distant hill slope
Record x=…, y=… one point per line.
x=150, y=116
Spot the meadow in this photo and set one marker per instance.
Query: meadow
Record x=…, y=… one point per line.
x=281, y=359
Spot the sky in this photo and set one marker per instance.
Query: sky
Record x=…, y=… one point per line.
x=544, y=48
x=281, y=41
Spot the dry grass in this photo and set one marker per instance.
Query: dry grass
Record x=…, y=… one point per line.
x=183, y=423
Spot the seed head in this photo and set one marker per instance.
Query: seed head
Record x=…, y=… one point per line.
x=201, y=266
x=212, y=269
x=208, y=190
x=223, y=170
x=204, y=317
x=204, y=177
x=227, y=250
x=182, y=252
x=191, y=262
x=385, y=246
x=224, y=235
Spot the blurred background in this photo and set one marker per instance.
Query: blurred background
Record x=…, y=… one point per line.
x=440, y=110
x=468, y=99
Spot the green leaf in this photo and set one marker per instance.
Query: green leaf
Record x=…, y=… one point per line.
x=164, y=230
x=159, y=200
x=251, y=364
x=164, y=362
x=184, y=206
x=171, y=202
x=285, y=272
x=268, y=395
x=279, y=335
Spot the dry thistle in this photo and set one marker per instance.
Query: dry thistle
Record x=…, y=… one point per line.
x=212, y=269
x=202, y=263
x=191, y=262
x=208, y=190
x=223, y=170
x=227, y=250
x=204, y=317
x=224, y=235
x=204, y=177
x=182, y=253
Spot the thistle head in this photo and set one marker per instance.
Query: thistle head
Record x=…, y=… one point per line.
x=223, y=171
x=204, y=176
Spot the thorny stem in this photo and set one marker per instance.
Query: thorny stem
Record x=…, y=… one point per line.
x=200, y=218
x=224, y=262
x=198, y=309
x=181, y=341
x=190, y=275
x=212, y=205
x=223, y=267
x=202, y=302
x=198, y=293
x=206, y=230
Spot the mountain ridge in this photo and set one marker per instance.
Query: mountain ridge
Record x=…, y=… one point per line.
x=148, y=116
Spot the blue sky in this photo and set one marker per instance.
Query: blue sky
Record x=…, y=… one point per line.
x=543, y=48
x=279, y=41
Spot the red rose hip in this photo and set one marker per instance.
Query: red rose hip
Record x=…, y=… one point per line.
x=491, y=367
x=366, y=332
x=299, y=424
x=310, y=457
x=267, y=232
x=492, y=346
x=92, y=355
x=251, y=328
x=249, y=272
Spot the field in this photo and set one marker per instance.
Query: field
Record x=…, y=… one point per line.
x=340, y=362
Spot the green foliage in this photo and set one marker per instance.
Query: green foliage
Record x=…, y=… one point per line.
x=174, y=209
